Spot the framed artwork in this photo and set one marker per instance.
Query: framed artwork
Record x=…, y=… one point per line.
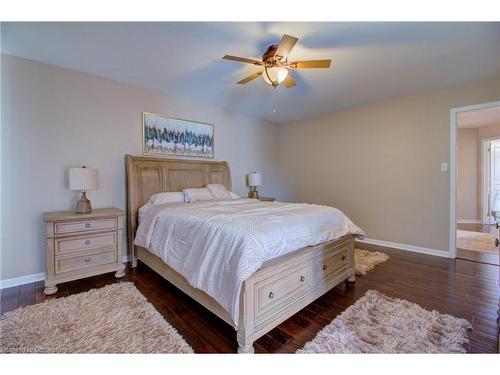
x=162, y=135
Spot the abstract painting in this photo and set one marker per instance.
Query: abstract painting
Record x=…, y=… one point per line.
x=171, y=136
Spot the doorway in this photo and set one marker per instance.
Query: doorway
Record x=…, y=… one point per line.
x=475, y=172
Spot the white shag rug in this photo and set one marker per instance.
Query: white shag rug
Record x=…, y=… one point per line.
x=114, y=319
x=380, y=324
x=365, y=260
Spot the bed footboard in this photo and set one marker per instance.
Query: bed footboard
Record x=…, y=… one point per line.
x=285, y=285
x=280, y=288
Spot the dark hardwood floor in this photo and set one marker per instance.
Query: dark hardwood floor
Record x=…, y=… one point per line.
x=465, y=289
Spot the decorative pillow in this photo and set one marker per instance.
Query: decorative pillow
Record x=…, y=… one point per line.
x=194, y=195
x=219, y=191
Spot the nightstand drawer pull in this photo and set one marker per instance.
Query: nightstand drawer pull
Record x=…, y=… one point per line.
x=343, y=257
x=302, y=278
x=325, y=267
x=88, y=259
x=271, y=295
x=87, y=225
x=87, y=242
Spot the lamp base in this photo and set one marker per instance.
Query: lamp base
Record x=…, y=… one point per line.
x=83, y=205
x=253, y=193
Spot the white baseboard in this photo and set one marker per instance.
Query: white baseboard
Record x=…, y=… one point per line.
x=402, y=246
x=468, y=221
x=21, y=280
x=27, y=279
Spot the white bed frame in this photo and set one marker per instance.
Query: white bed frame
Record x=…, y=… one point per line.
x=280, y=288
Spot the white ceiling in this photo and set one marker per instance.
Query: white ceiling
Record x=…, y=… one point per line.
x=372, y=61
x=478, y=118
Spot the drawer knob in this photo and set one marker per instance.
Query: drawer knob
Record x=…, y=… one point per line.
x=343, y=257
x=496, y=242
x=87, y=242
x=87, y=225
x=87, y=260
x=271, y=295
x=325, y=267
x=302, y=278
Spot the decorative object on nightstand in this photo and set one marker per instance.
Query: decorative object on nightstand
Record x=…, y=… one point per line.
x=83, y=245
x=83, y=179
x=267, y=199
x=254, y=180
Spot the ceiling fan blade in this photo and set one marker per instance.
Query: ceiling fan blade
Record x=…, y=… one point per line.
x=242, y=60
x=289, y=81
x=286, y=45
x=249, y=78
x=310, y=64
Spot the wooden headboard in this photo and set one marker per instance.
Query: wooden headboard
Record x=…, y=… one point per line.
x=150, y=175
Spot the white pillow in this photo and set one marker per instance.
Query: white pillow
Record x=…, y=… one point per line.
x=195, y=195
x=219, y=191
x=170, y=197
x=161, y=198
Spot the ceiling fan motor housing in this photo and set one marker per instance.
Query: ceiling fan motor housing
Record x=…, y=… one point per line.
x=269, y=57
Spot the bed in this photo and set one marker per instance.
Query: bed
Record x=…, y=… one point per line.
x=279, y=288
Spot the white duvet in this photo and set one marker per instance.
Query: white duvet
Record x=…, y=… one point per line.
x=217, y=245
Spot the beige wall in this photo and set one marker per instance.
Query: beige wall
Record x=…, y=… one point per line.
x=468, y=193
x=55, y=118
x=380, y=163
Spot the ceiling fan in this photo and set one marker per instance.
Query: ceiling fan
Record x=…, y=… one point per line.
x=276, y=65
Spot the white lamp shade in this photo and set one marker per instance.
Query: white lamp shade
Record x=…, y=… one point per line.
x=83, y=179
x=254, y=179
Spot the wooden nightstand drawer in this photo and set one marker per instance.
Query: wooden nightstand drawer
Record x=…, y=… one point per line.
x=80, y=243
x=85, y=225
x=67, y=264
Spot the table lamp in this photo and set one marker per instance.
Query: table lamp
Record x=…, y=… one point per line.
x=254, y=180
x=83, y=179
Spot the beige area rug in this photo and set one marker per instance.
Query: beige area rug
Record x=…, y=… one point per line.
x=476, y=241
x=114, y=319
x=367, y=260
x=380, y=324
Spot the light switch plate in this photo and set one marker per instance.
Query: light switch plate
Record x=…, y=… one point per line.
x=444, y=167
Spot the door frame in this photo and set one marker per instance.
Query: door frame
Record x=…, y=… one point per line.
x=453, y=167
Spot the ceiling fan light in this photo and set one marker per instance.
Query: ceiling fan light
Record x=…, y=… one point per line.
x=275, y=74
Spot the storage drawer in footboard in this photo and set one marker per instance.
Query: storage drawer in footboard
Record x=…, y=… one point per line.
x=275, y=293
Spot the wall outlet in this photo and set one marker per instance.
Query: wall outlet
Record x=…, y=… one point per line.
x=444, y=167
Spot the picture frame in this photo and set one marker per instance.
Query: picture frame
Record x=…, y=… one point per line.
x=170, y=136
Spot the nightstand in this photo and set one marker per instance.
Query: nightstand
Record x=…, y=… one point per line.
x=83, y=245
x=267, y=199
